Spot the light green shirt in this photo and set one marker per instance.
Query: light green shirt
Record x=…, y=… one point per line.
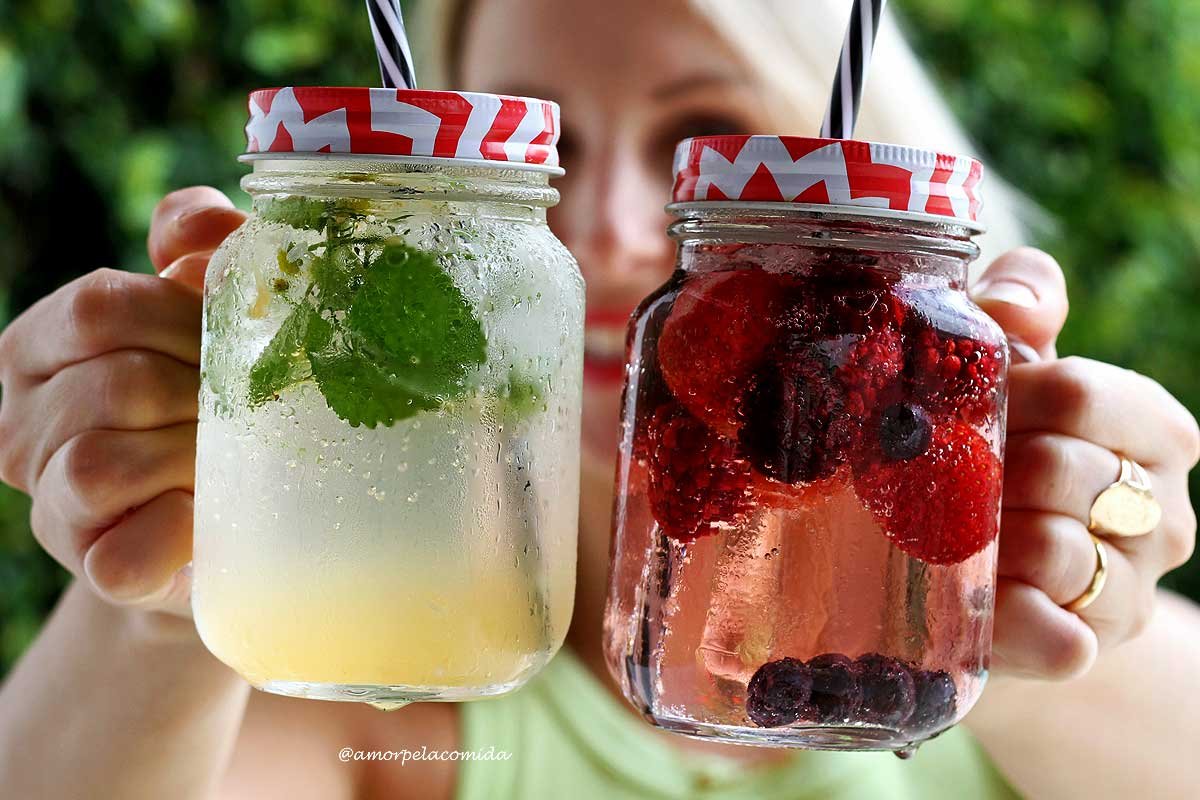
x=569, y=738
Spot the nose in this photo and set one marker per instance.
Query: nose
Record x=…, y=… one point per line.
x=612, y=216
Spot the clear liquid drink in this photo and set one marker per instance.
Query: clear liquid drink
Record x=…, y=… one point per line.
x=387, y=458
x=810, y=471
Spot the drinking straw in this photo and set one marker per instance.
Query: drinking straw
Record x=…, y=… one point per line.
x=851, y=74
x=391, y=44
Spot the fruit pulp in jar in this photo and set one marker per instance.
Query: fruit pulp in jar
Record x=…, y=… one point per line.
x=808, y=503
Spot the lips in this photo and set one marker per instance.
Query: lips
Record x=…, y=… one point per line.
x=604, y=345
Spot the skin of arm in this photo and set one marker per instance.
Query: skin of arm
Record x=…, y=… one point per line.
x=1128, y=728
x=115, y=702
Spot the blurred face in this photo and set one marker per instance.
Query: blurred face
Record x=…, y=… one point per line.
x=632, y=78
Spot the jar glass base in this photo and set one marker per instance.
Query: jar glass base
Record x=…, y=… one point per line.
x=808, y=737
x=387, y=698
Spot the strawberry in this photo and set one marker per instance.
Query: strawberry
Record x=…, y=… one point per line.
x=940, y=506
x=699, y=481
x=715, y=337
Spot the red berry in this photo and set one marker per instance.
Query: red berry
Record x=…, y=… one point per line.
x=718, y=331
x=956, y=355
x=699, y=481
x=941, y=506
x=869, y=370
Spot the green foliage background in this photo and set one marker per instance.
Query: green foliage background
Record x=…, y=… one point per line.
x=1092, y=107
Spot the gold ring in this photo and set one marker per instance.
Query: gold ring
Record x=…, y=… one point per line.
x=1127, y=507
x=1099, y=578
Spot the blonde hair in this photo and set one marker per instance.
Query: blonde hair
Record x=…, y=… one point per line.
x=793, y=48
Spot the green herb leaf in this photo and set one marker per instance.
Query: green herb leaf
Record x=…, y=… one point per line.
x=313, y=214
x=415, y=322
x=302, y=213
x=522, y=396
x=284, y=361
x=384, y=340
x=355, y=387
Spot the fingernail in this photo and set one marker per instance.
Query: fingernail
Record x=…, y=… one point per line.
x=1011, y=292
x=1022, y=353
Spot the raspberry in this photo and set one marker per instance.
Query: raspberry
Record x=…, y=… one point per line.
x=719, y=329
x=836, y=693
x=904, y=431
x=858, y=331
x=936, y=699
x=792, y=411
x=698, y=481
x=888, y=690
x=941, y=506
x=869, y=369
x=955, y=359
x=778, y=693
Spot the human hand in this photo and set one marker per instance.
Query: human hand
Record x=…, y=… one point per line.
x=98, y=419
x=1068, y=420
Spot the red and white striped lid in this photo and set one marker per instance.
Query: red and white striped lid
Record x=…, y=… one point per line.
x=856, y=177
x=403, y=122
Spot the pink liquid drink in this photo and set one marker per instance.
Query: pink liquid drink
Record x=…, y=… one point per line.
x=809, y=477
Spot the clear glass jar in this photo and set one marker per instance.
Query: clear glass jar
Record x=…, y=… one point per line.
x=808, y=482
x=387, y=460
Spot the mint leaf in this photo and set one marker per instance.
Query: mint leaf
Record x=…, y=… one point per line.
x=312, y=214
x=521, y=396
x=355, y=387
x=303, y=213
x=284, y=360
x=384, y=339
x=405, y=344
x=415, y=324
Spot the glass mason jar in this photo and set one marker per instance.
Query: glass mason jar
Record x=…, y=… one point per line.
x=809, y=475
x=387, y=458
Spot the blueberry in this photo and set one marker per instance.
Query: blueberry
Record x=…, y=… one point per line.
x=888, y=691
x=778, y=693
x=936, y=700
x=904, y=431
x=835, y=690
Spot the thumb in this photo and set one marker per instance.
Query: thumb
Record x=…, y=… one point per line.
x=1025, y=292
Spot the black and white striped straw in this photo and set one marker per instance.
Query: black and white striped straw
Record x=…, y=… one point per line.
x=842, y=112
x=391, y=44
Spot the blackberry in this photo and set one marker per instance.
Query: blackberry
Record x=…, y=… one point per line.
x=790, y=414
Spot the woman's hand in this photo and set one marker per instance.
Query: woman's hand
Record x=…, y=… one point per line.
x=1069, y=421
x=98, y=419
